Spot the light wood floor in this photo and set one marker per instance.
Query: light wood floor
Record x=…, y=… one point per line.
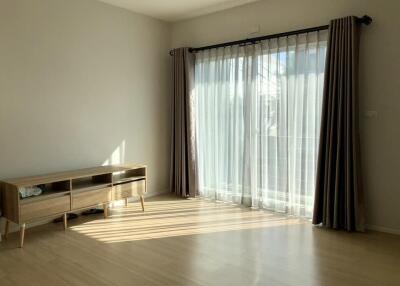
x=196, y=242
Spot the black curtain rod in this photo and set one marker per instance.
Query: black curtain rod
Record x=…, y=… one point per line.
x=261, y=38
x=363, y=20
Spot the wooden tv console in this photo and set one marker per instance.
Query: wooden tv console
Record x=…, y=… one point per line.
x=70, y=191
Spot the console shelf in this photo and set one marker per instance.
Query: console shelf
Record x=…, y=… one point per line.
x=70, y=191
x=90, y=183
x=122, y=179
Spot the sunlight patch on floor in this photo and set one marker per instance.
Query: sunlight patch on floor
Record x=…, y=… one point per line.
x=169, y=218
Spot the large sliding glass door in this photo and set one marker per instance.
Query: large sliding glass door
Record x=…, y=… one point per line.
x=258, y=110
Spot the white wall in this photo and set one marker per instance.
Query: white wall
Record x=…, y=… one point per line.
x=83, y=83
x=379, y=78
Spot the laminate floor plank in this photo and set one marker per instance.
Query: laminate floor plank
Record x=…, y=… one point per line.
x=200, y=243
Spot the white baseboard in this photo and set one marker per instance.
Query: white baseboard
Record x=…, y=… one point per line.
x=383, y=229
x=14, y=227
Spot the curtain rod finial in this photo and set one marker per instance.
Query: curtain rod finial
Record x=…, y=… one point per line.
x=366, y=20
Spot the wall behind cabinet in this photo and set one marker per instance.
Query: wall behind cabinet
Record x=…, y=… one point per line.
x=83, y=83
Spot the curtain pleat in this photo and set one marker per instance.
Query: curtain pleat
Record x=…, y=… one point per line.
x=338, y=193
x=183, y=145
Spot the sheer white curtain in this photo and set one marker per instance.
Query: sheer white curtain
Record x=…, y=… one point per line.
x=258, y=110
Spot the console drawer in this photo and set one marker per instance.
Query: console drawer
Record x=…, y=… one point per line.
x=45, y=207
x=90, y=198
x=122, y=191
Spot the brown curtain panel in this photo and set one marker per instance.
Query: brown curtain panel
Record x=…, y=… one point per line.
x=183, y=161
x=339, y=192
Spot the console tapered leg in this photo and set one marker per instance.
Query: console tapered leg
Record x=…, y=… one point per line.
x=21, y=235
x=65, y=221
x=142, y=202
x=6, y=229
x=105, y=208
